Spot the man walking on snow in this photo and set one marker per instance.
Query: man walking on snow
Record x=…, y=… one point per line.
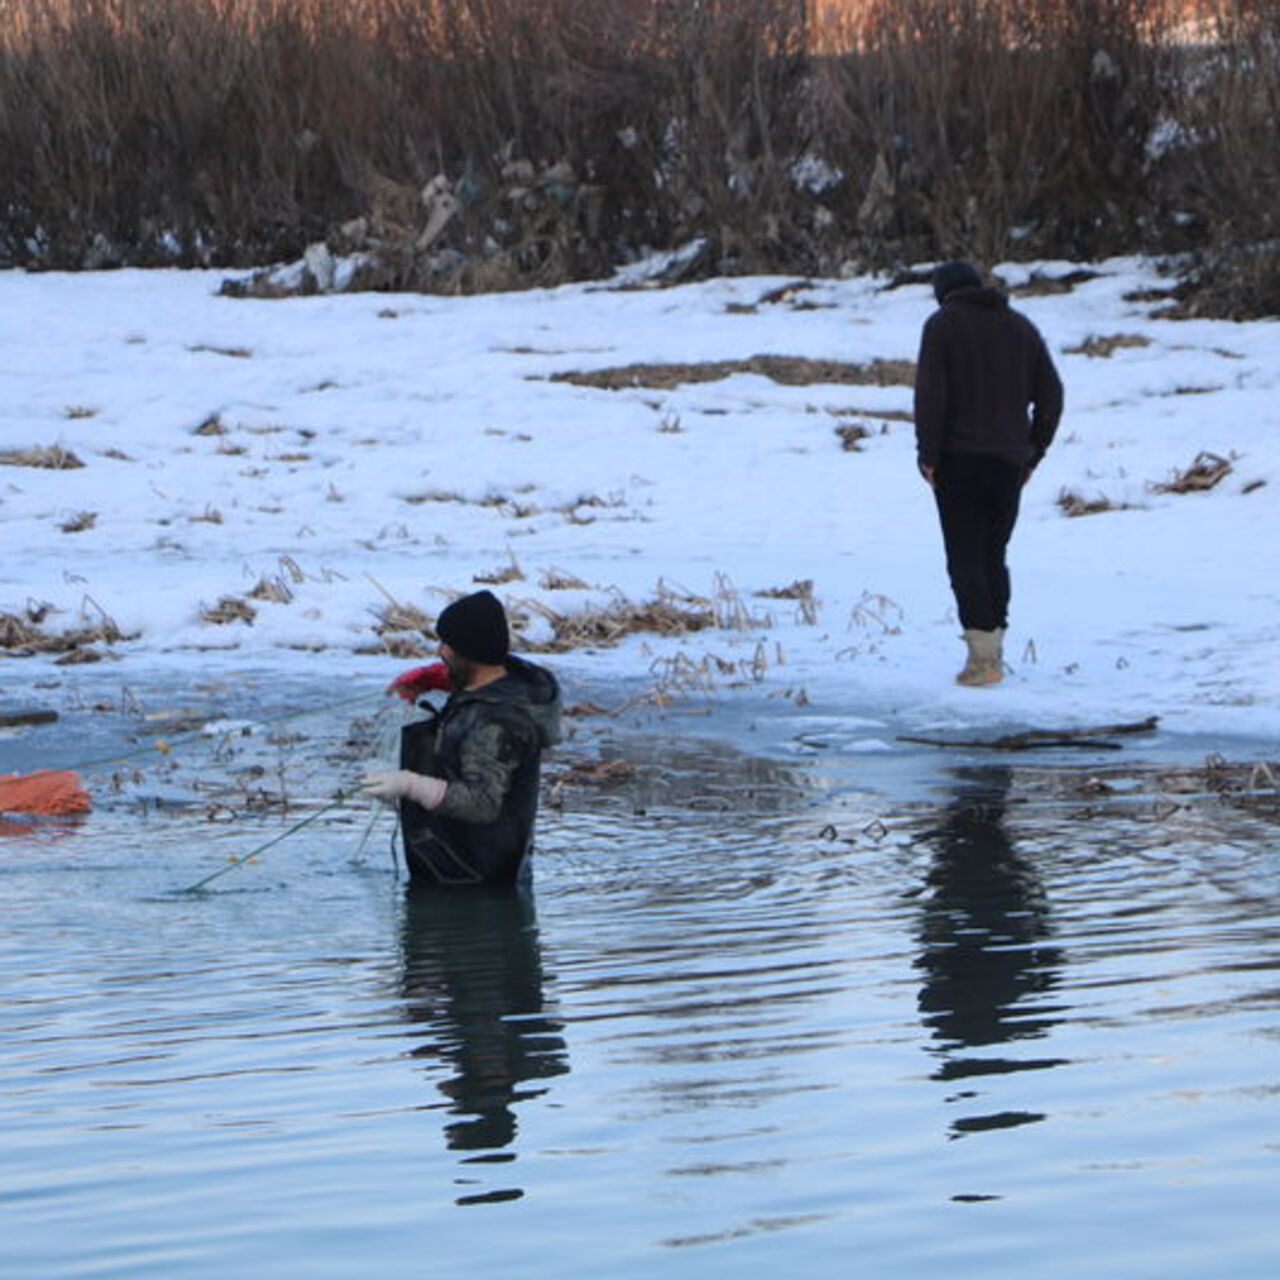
x=468, y=788
x=987, y=404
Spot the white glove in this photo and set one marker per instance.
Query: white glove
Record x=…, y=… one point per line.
x=405, y=784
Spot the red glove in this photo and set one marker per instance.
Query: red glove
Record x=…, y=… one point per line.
x=411, y=685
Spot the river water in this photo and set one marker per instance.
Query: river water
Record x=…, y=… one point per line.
x=751, y=1016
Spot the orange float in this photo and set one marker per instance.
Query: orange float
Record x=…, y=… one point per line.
x=47, y=791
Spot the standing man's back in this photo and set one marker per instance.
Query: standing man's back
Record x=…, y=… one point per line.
x=987, y=403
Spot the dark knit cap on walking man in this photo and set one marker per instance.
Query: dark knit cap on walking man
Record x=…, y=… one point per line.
x=475, y=627
x=951, y=276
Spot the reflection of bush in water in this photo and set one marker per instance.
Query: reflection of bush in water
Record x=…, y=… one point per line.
x=653, y=772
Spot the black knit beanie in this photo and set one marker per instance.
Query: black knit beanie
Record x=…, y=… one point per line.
x=475, y=627
x=954, y=275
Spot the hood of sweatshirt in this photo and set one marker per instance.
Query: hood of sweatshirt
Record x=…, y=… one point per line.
x=526, y=688
x=978, y=296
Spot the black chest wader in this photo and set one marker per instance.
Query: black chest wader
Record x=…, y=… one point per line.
x=449, y=853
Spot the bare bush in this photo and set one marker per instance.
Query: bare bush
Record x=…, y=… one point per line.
x=477, y=144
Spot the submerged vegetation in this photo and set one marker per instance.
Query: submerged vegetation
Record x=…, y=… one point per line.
x=474, y=144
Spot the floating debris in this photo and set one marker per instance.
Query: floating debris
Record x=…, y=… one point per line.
x=1096, y=736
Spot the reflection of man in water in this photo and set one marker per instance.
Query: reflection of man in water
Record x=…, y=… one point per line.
x=984, y=960
x=472, y=974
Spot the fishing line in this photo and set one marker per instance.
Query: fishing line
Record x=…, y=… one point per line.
x=385, y=755
x=165, y=745
x=386, y=745
x=262, y=848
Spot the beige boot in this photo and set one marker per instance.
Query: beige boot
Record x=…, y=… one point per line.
x=985, y=663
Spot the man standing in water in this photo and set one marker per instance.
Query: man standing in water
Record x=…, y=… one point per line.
x=982, y=366
x=468, y=786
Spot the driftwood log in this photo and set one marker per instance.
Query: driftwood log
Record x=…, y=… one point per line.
x=1032, y=739
x=11, y=718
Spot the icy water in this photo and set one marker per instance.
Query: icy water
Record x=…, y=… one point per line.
x=743, y=1022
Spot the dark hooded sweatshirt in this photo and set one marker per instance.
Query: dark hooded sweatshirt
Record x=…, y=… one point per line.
x=982, y=366
x=487, y=745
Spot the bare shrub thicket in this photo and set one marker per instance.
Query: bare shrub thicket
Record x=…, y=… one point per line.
x=571, y=134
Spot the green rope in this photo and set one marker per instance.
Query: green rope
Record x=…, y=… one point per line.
x=375, y=812
x=262, y=848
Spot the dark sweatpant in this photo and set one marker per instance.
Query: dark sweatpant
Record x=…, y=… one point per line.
x=978, y=506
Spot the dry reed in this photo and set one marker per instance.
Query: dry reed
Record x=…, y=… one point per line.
x=1203, y=474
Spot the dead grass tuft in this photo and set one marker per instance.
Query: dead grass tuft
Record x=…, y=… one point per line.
x=1203, y=474
x=401, y=617
x=400, y=646
x=801, y=591
x=584, y=710
x=78, y=656
x=1102, y=348
x=79, y=522
x=1073, y=504
x=233, y=353
x=665, y=615
x=681, y=675
x=598, y=773
x=25, y=635
x=49, y=457
x=275, y=590
x=879, y=415
x=395, y=617
x=785, y=293
x=851, y=436
x=433, y=495
x=229, y=609
x=874, y=611
x=732, y=611
x=18, y=633
x=558, y=580
x=791, y=371
x=510, y=572
x=1043, y=286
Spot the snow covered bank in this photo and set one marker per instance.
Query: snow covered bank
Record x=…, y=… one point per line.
x=266, y=480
